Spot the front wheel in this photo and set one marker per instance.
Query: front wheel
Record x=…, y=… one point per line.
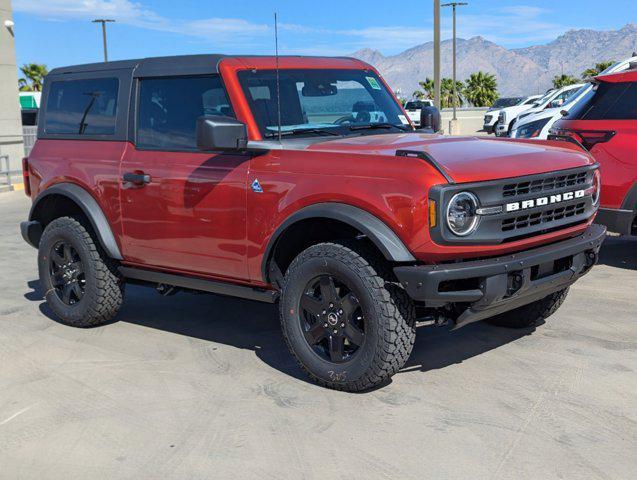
x=528, y=315
x=348, y=326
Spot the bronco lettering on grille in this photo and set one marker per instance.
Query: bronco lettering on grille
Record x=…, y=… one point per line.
x=542, y=201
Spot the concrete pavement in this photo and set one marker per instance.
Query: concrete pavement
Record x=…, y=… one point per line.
x=200, y=386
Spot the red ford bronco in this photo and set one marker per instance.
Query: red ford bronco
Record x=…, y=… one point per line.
x=304, y=184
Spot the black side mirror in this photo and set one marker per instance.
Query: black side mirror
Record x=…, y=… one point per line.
x=430, y=119
x=221, y=133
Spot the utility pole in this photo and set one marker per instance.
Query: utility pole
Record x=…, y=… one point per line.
x=437, y=54
x=455, y=94
x=104, y=21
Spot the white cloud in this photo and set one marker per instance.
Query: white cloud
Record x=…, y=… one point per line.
x=515, y=25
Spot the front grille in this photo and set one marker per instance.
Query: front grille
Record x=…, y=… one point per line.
x=523, y=206
x=546, y=216
x=544, y=185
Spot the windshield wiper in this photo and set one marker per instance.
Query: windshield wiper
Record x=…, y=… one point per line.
x=385, y=125
x=297, y=131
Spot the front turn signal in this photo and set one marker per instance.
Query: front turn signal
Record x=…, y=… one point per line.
x=432, y=213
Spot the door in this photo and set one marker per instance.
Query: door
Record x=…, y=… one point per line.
x=183, y=209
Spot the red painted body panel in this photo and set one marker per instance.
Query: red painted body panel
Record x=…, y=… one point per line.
x=198, y=214
x=191, y=216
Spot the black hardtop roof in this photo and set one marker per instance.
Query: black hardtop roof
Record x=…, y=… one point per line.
x=160, y=66
x=172, y=65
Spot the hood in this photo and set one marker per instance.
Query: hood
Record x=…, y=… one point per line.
x=466, y=159
x=547, y=113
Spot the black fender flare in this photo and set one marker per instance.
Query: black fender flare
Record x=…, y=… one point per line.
x=90, y=208
x=630, y=200
x=385, y=239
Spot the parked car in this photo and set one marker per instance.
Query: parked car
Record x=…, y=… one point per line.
x=553, y=99
x=491, y=117
x=413, y=108
x=605, y=123
x=184, y=173
x=508, y=113
x=539, y=124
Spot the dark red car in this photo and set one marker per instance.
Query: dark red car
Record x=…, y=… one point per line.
x=605, y=123
x=306, y=185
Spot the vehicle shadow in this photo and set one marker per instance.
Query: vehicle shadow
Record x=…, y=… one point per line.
x=620, y=252
x=255, y=326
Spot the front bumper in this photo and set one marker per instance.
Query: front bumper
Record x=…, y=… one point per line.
x=616, y=220
x=492, y=286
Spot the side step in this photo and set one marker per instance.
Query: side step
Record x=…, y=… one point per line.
x=201, y=284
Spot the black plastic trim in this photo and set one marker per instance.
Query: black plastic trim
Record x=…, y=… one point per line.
x=616, y=220
x=376, y=230
x=422, y=282
x=90, y=208
x=200, y=284
x=427, y=158
x=31, y=232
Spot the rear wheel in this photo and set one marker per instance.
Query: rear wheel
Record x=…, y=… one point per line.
x=528, y=315
x=348, y=326
x=80, y=284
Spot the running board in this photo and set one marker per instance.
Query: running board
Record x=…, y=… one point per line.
x=200, y=284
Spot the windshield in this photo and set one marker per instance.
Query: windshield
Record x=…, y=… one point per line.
x=415, y=105
x=321, y=102
x=506, y=102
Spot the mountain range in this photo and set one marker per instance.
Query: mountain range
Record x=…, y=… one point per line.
x=519, y=71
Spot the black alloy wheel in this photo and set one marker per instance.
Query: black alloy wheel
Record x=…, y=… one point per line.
x=67, y=273
x=331, y=319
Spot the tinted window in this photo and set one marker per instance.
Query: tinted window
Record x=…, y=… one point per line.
x=531, y=101
x=506, y=102
x=169, y=108
x=610, y=101
x=82, y=107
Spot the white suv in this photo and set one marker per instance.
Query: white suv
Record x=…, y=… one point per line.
x=413, y=107
x=491, y=117
x=553, y=99
x=509, y=113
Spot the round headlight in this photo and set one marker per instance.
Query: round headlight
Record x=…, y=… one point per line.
x=462, y=218
x=597, y=186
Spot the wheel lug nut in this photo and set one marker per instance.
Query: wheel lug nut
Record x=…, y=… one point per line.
x=324, y=312
x=342, y=325
x=325, y=325
x=335, y=331
x=340, y=312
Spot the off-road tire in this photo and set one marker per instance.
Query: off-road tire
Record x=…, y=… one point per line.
x=388, y=311
x=528, y=315
x=103, y=290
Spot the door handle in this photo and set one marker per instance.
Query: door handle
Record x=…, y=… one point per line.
x=136, y=178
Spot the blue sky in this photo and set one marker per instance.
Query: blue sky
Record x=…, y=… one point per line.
x=59, y=32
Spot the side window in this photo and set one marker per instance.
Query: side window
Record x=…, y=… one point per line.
x=608, y=101
x=82, y=107
x=169, y=107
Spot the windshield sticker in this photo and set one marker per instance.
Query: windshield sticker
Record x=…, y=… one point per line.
x=373, y=83
x=403, y=119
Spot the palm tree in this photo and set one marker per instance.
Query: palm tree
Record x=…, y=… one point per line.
x=446, y=93
x=481, y=89
x=427, y=90
x=34, y=74
x=563, y=80
x=597, y=69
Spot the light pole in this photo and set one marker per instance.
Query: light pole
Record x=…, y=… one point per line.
x=104, y=21
x=437, y=54
x=455, y=95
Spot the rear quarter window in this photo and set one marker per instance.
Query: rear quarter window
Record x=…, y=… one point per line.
x=82, y=107
x=610, y=101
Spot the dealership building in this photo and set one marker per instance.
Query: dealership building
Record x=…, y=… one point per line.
x=11, y=139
